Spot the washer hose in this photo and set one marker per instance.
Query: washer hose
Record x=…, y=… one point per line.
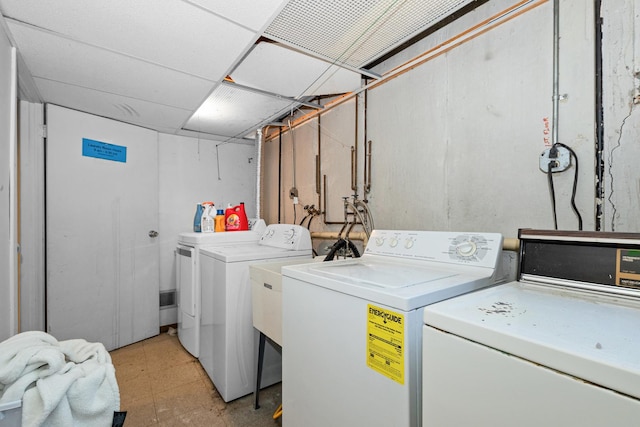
x=339, y=245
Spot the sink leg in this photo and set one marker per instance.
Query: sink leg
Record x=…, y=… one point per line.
x=256, y=393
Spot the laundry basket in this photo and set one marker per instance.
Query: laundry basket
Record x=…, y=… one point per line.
x=11, y=414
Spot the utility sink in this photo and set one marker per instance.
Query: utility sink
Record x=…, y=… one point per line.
x=266, y=295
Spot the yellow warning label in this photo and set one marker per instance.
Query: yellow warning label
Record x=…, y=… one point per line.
x=385, y=342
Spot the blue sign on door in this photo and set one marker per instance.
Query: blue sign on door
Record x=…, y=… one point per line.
x=102, y=150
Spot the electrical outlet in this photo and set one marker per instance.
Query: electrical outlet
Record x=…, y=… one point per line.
x=293, y=193
x=562, y=160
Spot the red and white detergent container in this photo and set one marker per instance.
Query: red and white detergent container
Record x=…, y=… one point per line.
x=235, y=218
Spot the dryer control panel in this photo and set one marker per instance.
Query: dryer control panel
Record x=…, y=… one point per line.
x=467, y=248
x=286, y=236
x=594, y=260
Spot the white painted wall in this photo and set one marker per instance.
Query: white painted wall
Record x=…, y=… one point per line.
x=8, y=199
x=621, y=115
x=32, y=253
x=188, y=173
x=337, y=136
x=456, y=140
x=193, y=171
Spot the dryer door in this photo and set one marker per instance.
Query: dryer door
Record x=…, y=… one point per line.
x=186, y=280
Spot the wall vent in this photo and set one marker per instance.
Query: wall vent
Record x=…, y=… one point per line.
x=167, y=299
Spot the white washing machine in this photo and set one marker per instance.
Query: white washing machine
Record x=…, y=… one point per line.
x=229, y=342
x=352, y=329
x=188, y=277
x=558, y=347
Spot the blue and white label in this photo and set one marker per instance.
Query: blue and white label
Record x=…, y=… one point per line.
x=102, y=150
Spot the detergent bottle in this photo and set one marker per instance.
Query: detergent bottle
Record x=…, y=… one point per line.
x=219, y=221
x=236, y=218
x=197, y=219
x=207, y=217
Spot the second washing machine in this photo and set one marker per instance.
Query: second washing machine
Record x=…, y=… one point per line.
x=229, y=342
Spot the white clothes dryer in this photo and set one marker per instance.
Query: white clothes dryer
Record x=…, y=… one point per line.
x=188, y=277
x=229, y=342
x=558, y=347
x=352, y=328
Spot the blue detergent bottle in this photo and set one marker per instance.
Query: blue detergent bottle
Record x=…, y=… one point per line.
x=197, y=224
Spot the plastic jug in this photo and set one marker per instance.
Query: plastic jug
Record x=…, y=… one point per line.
x=219, y=221
x=235, y=218
x=197, y=219
x=207, y=217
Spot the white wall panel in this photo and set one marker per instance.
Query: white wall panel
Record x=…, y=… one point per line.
x=305, y=139
x=621, y=115
x=270, y=180
x=457, y=140
x=8, y=224
x=193, y=171
x=32, y=231
x=338, y=133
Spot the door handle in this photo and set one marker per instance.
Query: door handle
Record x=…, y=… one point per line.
x=153, y=233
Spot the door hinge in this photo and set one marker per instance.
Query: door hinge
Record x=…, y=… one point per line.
x=43, y=131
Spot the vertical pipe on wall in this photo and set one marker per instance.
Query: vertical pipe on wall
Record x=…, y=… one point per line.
x=556, y=69
x=354, y=154
x=293, y=157
x=14, y=323
x=319, y=170
x=599, y=118
x=280, y=176
x=258, y=172
x=44, y=213
x=366, y=187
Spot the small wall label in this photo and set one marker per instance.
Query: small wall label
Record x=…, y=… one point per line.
x=102, y=150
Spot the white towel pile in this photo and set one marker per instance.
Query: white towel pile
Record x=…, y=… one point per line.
x=61, y=383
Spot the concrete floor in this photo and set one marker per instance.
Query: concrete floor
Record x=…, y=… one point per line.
x=161, y=384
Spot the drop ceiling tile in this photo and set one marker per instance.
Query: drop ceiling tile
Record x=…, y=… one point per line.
x=234, y=112
x=278, y=69
x=56, y=58
x=175, y=34
x=250, y=13
x=358, y=31
x=160, y=117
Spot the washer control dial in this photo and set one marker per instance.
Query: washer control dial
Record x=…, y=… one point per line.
x=468, y=247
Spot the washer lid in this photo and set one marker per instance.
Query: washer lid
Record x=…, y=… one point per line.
x=383, y=275
x=592, y=337
x=201, y=239
x=398, y=283
x=252, y=251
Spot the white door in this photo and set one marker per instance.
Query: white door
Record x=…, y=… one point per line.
x=102, y=213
